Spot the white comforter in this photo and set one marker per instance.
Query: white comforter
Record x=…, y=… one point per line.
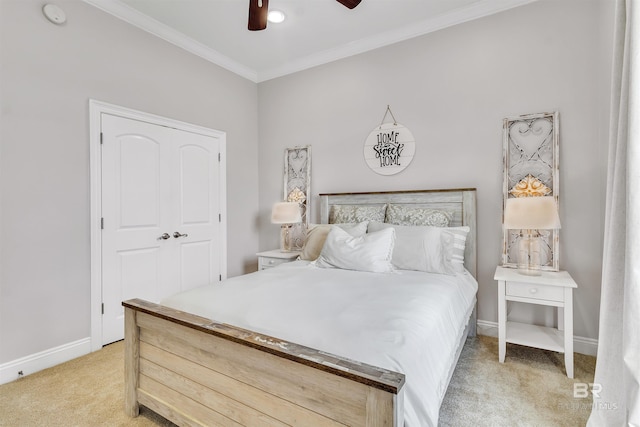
x=407, y=321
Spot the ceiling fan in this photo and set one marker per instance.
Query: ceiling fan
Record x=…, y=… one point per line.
x=258, y=10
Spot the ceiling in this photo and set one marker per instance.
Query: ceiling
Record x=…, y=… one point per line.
x=315, y=31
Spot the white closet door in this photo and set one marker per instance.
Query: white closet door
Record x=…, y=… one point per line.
x=198, y=210
x=160, y=211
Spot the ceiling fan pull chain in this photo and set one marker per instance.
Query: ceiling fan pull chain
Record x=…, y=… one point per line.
x=385, y=116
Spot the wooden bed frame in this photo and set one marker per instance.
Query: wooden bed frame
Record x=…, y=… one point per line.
x=198, y=372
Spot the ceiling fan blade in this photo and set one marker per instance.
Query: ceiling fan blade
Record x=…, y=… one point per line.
x=258, y=11
x=350, y=3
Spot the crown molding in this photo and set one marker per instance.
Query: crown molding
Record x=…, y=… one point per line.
x=132, y=16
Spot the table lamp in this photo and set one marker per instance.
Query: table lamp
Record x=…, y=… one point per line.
x=286, y=214
x=530, y=214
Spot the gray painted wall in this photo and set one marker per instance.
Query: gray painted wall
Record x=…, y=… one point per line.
x=49, y=73
x=452, y=88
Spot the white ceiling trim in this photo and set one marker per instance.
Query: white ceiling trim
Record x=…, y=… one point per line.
x=144, y=22
x=157, y=28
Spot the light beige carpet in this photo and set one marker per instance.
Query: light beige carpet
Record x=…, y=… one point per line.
x=84, y=392
x=529, y=389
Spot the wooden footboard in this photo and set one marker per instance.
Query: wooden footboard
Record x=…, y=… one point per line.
x=197, y=372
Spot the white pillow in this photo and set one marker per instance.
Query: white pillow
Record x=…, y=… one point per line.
x=421, y=248
x=317, y=234
x=370, y=252
x=459, y=244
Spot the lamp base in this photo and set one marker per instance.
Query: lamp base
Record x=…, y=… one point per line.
x=529, y=254
x=285, y=238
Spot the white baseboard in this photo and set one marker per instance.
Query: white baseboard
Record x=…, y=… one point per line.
x=581, y=345
x=10, y=371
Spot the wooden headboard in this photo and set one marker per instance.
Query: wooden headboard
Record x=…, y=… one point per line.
x=461, y=202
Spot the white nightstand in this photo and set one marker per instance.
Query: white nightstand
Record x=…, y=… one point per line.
x=551, y=288
x=268, y=259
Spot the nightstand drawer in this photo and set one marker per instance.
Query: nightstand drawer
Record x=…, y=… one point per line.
x=265, y=262
x=269, y=259
x=529, y=290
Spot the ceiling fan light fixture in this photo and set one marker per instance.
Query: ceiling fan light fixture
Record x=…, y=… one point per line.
x=276, y=16
x=259, y=13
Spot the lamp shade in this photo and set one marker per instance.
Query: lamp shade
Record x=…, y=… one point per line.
x=535, y=213
x=286, y=213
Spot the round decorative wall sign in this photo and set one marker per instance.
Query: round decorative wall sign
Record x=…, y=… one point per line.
x=389, y=148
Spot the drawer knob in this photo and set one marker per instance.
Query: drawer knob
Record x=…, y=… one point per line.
x=533, y=290
x=271, y=261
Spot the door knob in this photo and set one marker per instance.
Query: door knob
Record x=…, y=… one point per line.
x=164, y=236
x=177, y=234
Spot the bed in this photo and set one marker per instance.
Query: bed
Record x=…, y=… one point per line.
x=310, y=346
